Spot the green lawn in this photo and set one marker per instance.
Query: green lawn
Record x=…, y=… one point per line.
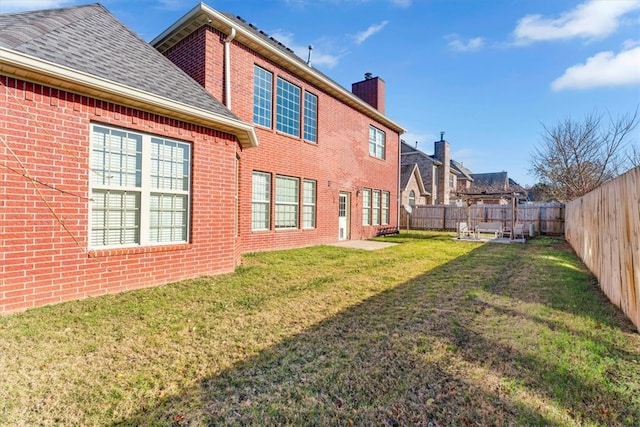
x=430, y=332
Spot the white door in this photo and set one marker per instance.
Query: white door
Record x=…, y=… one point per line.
x=343, y=217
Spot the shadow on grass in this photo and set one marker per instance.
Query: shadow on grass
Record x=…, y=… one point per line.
x=414, y=355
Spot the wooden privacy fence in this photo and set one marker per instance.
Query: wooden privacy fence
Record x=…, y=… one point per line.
x=603, y=227
x=547, y=218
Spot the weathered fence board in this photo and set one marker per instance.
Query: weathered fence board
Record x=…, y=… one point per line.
x=603, y=227
x=546, y=218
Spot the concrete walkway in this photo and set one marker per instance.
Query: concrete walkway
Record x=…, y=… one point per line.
x=367, y=245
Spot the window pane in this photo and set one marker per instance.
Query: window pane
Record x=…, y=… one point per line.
x=310, y=117
x=169, y=165
x=385, y=207
x=286, y=208
x=116, y=158
x=287, y=108
x=261, y=190
x=375, y=208
x=262, y=96
x=115, y=218
x=168, y=218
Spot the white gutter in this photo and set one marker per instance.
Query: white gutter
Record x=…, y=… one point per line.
x=227, y=67
x=33, y=69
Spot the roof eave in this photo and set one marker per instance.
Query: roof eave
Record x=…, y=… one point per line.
x=202, y=14
x=19, y=65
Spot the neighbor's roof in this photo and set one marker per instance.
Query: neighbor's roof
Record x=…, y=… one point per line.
x=87, y=50
x=406, y=172
x=250, y=36
x=493, y=180
x=461, y=170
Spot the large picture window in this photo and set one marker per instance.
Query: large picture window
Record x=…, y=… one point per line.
x=310, y=117
x=287, y=190
x=309, y=204
x=140, y=188
x=287, y=108
x=377, y=142
x=262, y=96
x=260, y=201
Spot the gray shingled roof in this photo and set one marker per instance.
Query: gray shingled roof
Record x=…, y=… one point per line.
x=89, y=39
x=405, y=174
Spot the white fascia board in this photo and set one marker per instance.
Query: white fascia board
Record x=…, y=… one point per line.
x=27, y=67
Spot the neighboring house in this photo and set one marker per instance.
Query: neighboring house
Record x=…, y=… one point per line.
x=494, y=182
x=428, y=168
x=464, y=179
x=327, y=163
x=412, y=191
x=120, y=171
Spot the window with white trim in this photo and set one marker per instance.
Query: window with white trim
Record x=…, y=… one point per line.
x=287, y=107
x=262, y=96
x=286, y=203
x=366, y=206
x=412, y=198
x=375, y=208
x=308, y=204
x=385, y=207
x=260, y=200
x=140, y=189
x=377, y=142
x=310, y=117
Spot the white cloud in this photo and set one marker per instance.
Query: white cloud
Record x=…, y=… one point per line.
x=373, y=29
x=471, y=45
x=602, y=69
x=592, y=19
x=319, y=57
x=12, y=6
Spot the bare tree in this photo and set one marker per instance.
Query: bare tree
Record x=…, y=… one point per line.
x=575, y=157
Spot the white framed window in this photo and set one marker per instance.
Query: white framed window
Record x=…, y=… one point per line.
x=375, y=208
x=377, y=142
x=366, y=206
x=286, y=206
x=287, y=107
x=309, y=204
x=412, y=198
x=262, y=96
x=140, y=188
x=260, y=201
x=385, y=207
x=310, y=117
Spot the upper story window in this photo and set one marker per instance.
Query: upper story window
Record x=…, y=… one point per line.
x=310, y=117
x=376, y=142
x=262, y=96
x=140, y=188
x=287, y=108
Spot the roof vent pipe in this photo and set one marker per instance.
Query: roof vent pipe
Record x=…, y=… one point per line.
x=309, y=57
x=442, y=136
x=227, y=67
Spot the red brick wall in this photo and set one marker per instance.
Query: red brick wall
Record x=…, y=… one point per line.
x=339, y=162
x=44, y=224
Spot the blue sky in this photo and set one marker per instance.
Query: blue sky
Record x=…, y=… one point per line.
x=489, y=73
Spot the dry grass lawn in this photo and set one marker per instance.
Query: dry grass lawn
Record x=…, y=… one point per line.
x=430, y=332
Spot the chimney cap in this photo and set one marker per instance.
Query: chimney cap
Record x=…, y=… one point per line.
x=368, y=76
x=441, y=135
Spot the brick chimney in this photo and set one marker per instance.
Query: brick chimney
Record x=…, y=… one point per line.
x=442, y=152
x=371, y=91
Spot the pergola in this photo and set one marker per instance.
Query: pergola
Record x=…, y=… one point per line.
x=514, y=196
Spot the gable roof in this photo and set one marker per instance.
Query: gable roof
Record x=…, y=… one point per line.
x=493, y=180
x=250, y=36
x=406, y=172
x=85, y=49
x=409, y=154
x=461, y=170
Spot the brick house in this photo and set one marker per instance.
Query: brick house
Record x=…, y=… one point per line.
x=326, y=167
x=115, y=174
x=120, y=171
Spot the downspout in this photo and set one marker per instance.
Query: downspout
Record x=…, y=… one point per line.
x=399, y=196
x=227, y=67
